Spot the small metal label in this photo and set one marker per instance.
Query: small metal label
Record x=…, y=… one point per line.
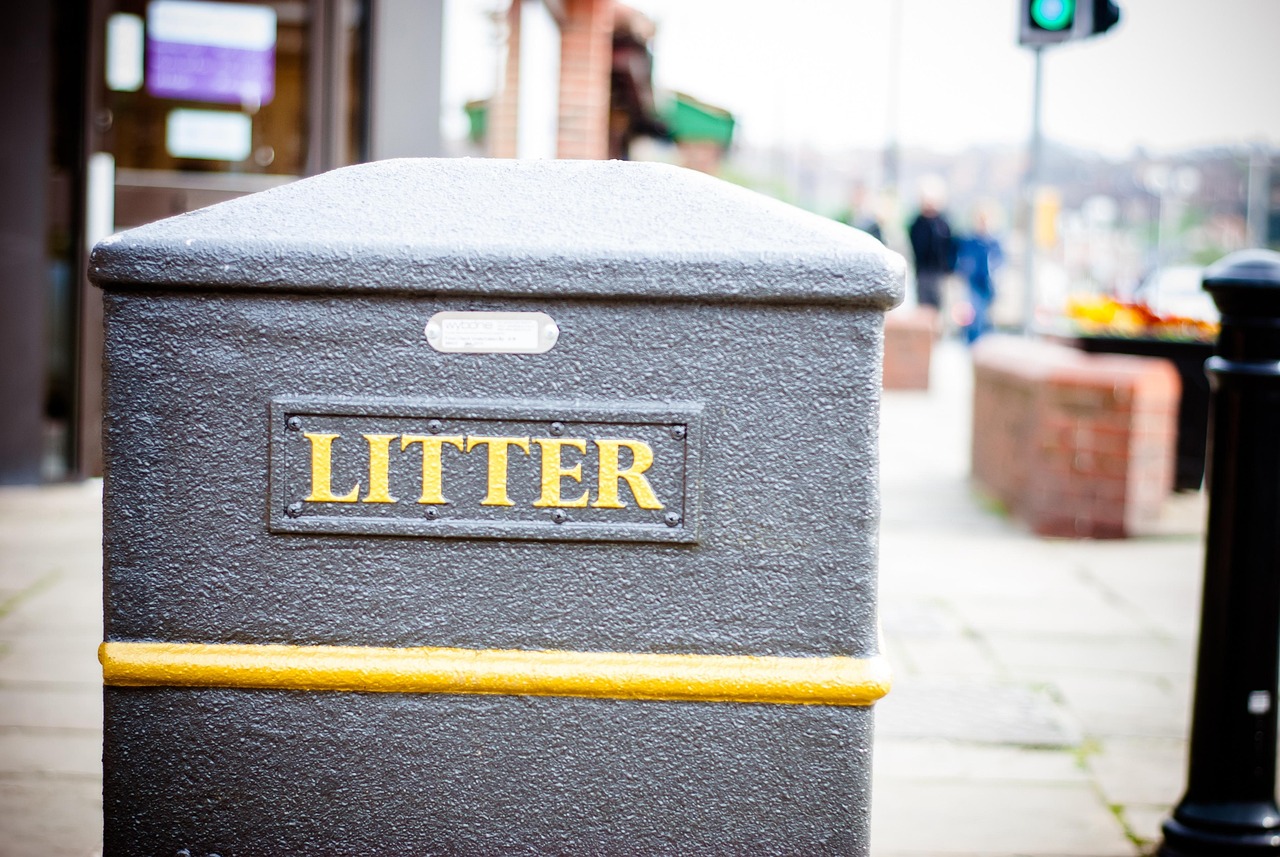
x=483, y=469
x=492, y=332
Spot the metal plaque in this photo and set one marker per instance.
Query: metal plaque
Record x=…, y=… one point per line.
x=492, y=332
x=484, y=469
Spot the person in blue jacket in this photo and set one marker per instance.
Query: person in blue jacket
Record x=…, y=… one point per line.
x=978, y=255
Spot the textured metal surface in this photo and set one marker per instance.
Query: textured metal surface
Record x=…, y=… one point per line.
x=786, y=555
x=513, y=228
x=669, y=290
x=479, y=775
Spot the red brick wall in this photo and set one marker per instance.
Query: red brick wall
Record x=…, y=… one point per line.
x=586, y=59
x=1078, y=445
x=909, y=333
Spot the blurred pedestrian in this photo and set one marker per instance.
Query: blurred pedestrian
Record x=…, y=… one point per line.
x=932, y=247
x=977, y=257
x=863, y=212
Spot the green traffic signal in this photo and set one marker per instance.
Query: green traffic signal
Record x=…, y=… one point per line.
x=1053, y=15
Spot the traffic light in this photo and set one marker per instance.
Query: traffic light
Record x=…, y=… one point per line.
x=1049, y=22
x=1106, y=15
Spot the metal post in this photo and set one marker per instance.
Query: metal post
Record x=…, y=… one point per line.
x=1229, y=806
x=1032, y=185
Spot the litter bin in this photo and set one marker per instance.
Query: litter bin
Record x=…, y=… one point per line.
x=481, y=507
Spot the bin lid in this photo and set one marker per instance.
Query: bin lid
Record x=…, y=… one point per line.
x=591, y=229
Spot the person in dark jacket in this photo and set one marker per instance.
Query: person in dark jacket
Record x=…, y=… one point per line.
x=934, y=253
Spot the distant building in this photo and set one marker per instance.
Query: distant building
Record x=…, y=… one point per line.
x=578, y=83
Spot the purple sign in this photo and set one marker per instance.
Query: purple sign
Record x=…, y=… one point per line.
x=207, y=51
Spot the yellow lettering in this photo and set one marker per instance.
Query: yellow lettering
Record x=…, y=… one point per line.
x=553, y=472
x=379, y=464
x=322, y=471
x=432, y=483
x=610, y=475
x=498, y=446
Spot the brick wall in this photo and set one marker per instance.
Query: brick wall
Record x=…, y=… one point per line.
x=1078, y=445
x=909, y=334
x=586, y=60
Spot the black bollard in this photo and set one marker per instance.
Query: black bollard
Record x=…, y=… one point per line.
x=1229, y=806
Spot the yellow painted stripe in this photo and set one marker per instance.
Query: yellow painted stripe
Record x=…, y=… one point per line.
x=612, y=675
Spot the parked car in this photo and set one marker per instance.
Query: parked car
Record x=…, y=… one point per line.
x=1176, y=290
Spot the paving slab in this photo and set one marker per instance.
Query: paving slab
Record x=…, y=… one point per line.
x=1159, y=579
x=1140, y=771
x=1005, y=818
x=73, y=706
x=1037, y=656
x=1126, y=706
x=1085, y=611
x=905, y=761
x=51, y=753
x=1143, y=823
x=53, y=660
x=51, y=818
x=975, y=710
x=958, y=656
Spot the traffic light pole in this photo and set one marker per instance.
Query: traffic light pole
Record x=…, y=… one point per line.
x=1042, y=23
x=1032, y=186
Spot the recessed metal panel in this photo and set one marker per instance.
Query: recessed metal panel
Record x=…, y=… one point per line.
x=484, y=469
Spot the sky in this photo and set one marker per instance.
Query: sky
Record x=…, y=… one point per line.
x=823, y=74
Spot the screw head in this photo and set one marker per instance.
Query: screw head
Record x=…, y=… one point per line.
x=435, y=426
x=559, y=516
x=557, y=429
x=294, y=423
x=678, y=432
x=293, y=510
x=672, y=519
x=432, y=513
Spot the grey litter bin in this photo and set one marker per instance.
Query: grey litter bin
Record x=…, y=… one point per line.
x=492, y=507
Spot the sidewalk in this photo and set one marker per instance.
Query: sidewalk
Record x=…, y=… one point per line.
x=50, y=682
x=1041, y=691
x=1042, y=687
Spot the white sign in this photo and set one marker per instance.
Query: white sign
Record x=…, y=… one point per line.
x=124, y=52
x=212, y=135
x=492, y=332
x=222, y=25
